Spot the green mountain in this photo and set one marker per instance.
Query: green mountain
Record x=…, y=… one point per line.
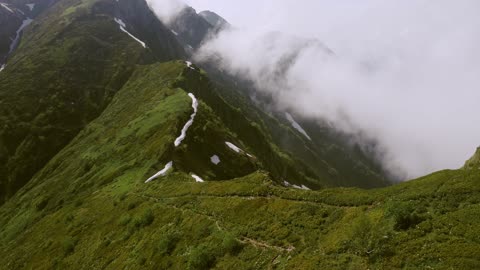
x=71, y=62
x=117, y=153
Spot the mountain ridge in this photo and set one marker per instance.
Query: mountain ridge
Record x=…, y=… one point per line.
x=100, y=97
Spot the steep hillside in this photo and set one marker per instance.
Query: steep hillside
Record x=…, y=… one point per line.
x=10, y=21
x=76, y=55
x=14, y=17
x=116, y=153
x=191, y=29
x=330, y=156
x=214, y=19
x=72, y=60
x=93, y=200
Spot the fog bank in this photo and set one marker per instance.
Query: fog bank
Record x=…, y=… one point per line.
x=403, y=73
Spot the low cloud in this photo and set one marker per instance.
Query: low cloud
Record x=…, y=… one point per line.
x=402, y=73
x=166, y=10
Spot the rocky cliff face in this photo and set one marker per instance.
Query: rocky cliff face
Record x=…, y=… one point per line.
x=190, y=28
x=214, y=19
x=14, y=17
x=10, y=21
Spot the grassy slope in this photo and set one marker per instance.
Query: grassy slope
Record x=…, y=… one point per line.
x=71, y=62
x=90, y=209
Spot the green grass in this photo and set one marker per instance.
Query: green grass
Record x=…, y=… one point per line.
x=87, y=206
x=252, y=223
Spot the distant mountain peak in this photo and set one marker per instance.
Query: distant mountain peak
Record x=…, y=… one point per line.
x=473, y=162
x=214, y=19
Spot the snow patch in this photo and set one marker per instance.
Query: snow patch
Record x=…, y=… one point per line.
x=287, y=184
x=123, y=26
x=233, y=147
x=6, y=7
x=182, y=136
x=215, y=159
x=305, y=187
x=120, y=22
x=30, y=6
x=190, y=65
x=296, y=126
x=301, y=187
x=237, y=149
x=175, y=33
x=14, y=43
x=197, y=178
x=163, y=172
x=2, y=67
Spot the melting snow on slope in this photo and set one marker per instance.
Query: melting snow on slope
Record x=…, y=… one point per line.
x=287, y=184
x=301, y=187
x=123, y=26
x=2, y=67
x=6, y=7
x=30, y=6
x=14, y=43
x=197, y=178
x=182, y=136
x=236, y=148
x=215, y=159
x=296, y=126
x=163, y=172
x=190, y=65
x=175, y=33
x=233, y=147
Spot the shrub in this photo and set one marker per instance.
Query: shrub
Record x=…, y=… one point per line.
x=124, y=220
x=231, y=245
x=123, y=196
x=41, y=204
x=201, y=258
x=145, y=219
x=404, y=215
x=167, y=243
x=369, y=239
x=69, y=245
x=131, y=205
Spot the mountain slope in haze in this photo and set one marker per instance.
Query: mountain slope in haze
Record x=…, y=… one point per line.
x=14, y=15
x=214, y=19
x=191, y=29
x=10, y=22
x=331, y=156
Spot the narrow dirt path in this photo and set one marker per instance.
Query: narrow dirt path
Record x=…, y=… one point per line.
x=244, y=240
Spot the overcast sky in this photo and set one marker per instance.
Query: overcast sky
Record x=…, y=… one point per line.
x=405, y=73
